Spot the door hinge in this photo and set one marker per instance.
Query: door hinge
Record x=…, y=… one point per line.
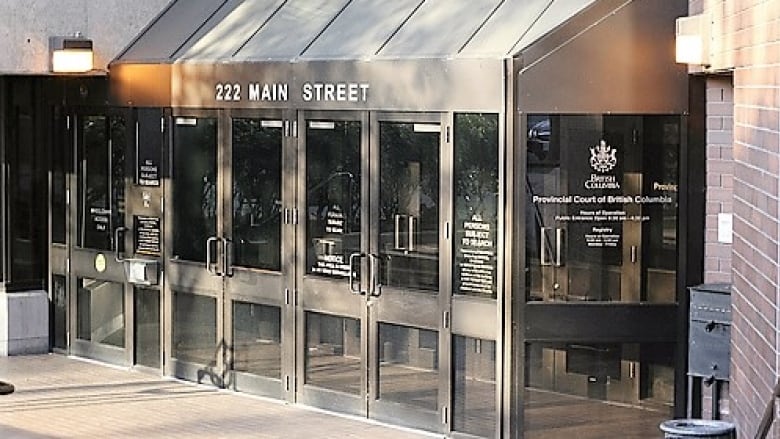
x=162, y=204
x=67, y=121
x=445, y=416
x=162, y=124
x=295, y=216
x=287, y=383
x=67, y=196
x=67, y=265
x=447, y=230
x=447, y=134
x=286, y=296
x=446, y=320
x=295, y=128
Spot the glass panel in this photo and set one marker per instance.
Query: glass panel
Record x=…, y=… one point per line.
x=100, y=312
x=117, y=167
x=60, y=158
x=409, y=205
x=333, y=357
x=332, y=196
x=659, y=235
x=602, y=212
x=594, y=390
x=409, y=366
x=476, y=204
x=194, y=187
x=195, y=329
x=474, y=386
x=147, y=327
x=60, y=304
x=257, y=193
x=101, y=163
x=257, y=339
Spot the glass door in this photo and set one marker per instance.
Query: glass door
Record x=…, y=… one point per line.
x=410, y=258
x=193, y=270
x=332, y=260
x=101, y=304
x=259, y=169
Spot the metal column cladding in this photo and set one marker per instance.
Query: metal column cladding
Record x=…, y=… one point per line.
x=407, y=55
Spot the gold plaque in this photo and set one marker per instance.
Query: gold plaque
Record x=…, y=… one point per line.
x=100, y=262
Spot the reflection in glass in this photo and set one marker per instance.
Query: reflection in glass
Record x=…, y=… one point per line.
x=594, y=390
x=332, y=196
x=147, y=327
x=332, y=354
x=257, y=338
x=59, y=299
x=194, y=187
x=474, y=386
x=60, y=160
x=409, y=205
x=476, y=204
x=409, y=366
x=195, y=329
x=601, y=222
x=101, y=194
x=100, y=312
x=257, y=193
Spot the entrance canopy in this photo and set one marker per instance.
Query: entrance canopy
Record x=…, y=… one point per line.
x=335, y=54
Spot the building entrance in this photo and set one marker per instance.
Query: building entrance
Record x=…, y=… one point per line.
x=312, y=260
x=98, y=313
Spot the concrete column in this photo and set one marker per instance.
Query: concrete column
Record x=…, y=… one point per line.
x=24, y=323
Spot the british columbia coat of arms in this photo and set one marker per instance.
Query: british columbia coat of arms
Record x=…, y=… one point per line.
x=602, y=157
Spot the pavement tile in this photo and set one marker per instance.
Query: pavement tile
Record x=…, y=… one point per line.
x=62, y=397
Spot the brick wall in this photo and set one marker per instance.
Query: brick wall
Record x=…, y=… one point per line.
x=720, y=176
x=746, y=41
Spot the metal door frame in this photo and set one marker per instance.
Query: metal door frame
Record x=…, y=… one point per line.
x=314, y=293
x=201, y=281
x=406, y=307
x=241, y=283
x=81, y=262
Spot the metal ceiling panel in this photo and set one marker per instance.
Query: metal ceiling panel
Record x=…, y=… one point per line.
x=439, y=28
x=171, y=30
x=290, y=30
x=506, y=27
x=558, y=13
x=362, y=29
x=230, y=27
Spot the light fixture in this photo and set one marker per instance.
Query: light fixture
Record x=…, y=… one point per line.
x=692, y=40
x=71, y=54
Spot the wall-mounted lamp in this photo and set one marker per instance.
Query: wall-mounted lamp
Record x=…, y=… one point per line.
x=692, y=40
x=71, y=54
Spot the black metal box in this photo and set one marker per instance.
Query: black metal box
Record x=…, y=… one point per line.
x=709, y=333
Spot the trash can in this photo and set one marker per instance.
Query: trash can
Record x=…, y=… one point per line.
x=698, y=428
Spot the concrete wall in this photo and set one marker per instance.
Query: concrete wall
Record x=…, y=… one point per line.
x=25, y=28
x=746, y=41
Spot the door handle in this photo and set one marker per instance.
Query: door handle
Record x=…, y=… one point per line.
x=227, y=256
x=352, y=276
x=412, y=220
x=376, y=287
x=209, y=258
x=543, y=250
x=397, y=233
x=560, y=236
x=117, y=255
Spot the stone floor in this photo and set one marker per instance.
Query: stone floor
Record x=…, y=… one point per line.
x=61, y=397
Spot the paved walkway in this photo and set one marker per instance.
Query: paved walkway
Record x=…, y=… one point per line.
x=61, y=397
